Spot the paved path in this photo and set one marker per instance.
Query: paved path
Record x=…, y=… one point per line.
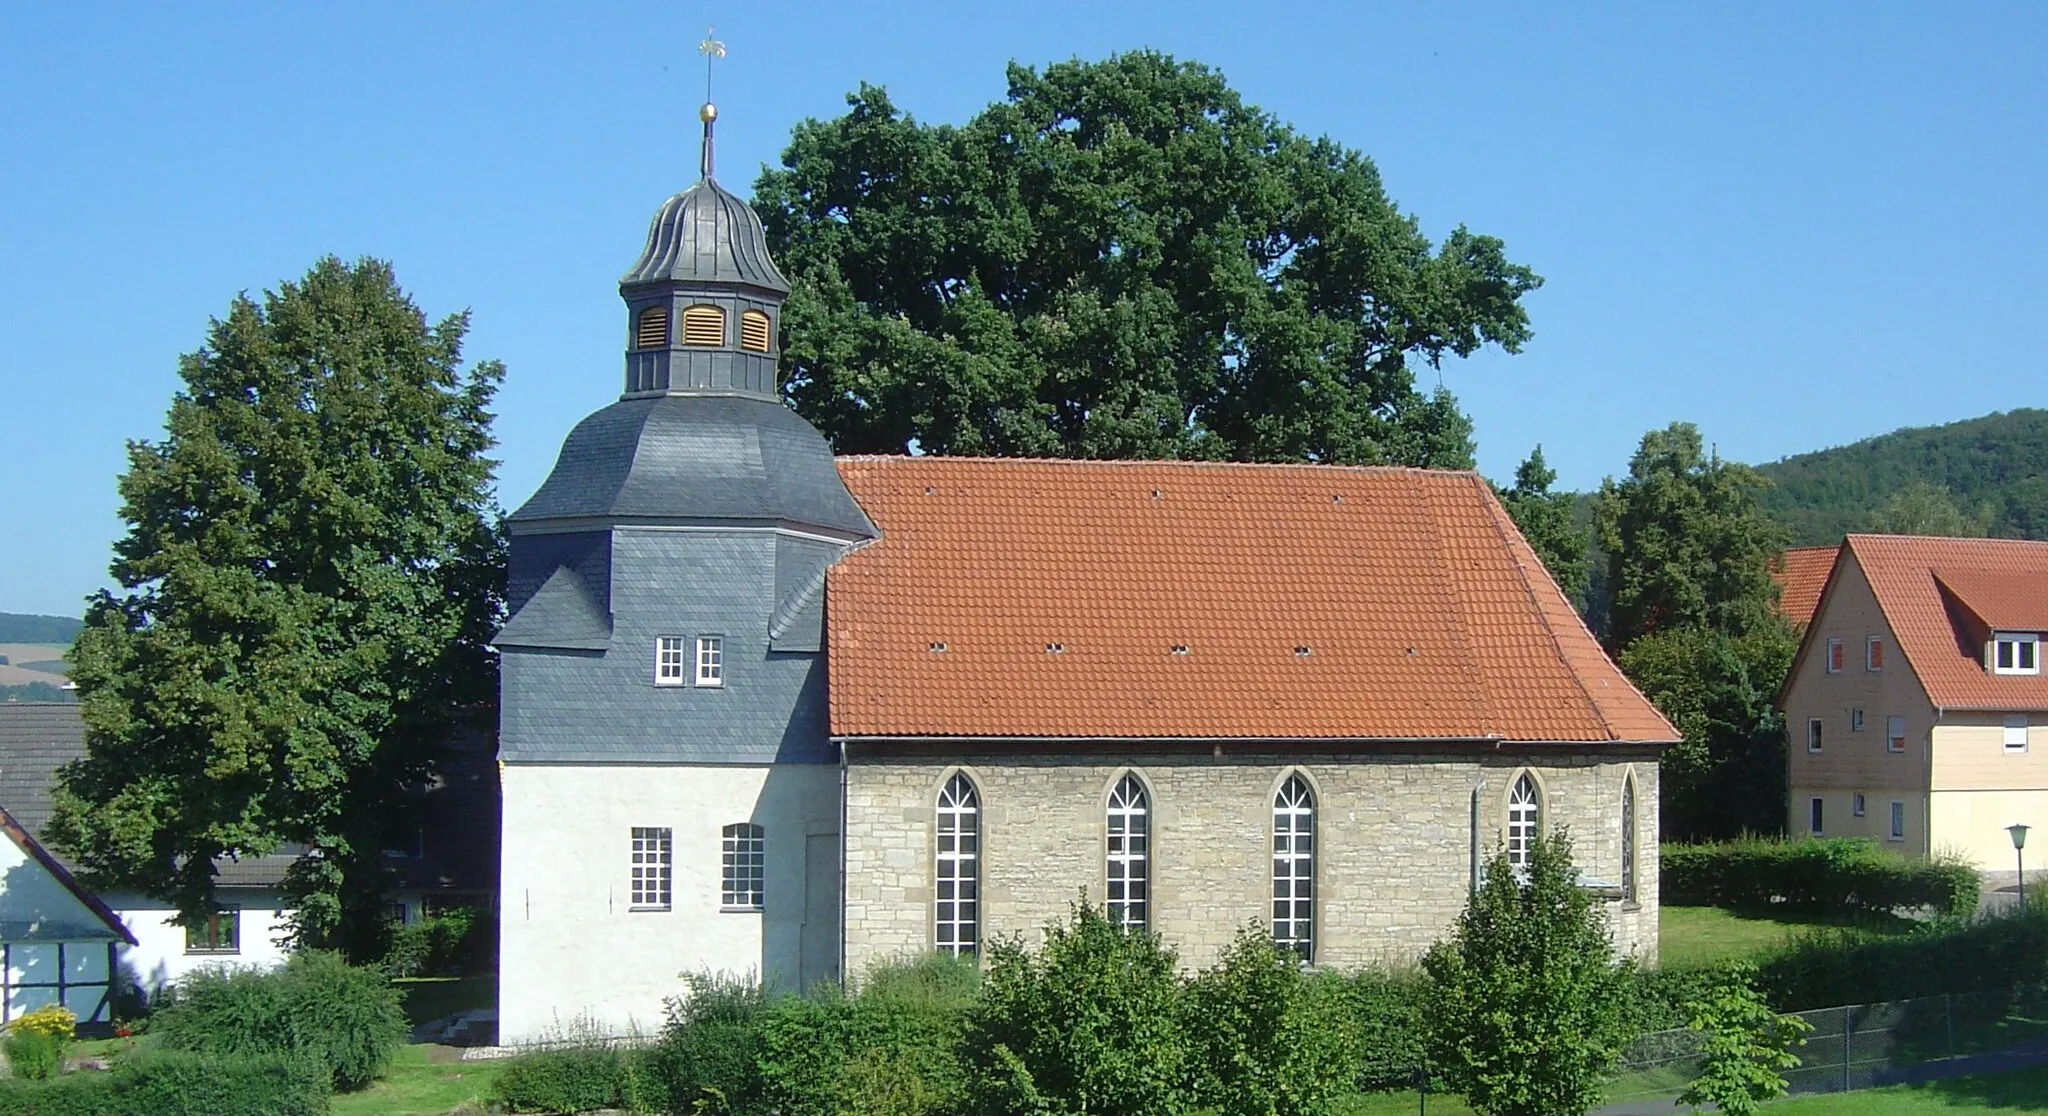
x=2023, y=1056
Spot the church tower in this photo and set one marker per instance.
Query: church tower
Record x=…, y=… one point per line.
x=671, y=798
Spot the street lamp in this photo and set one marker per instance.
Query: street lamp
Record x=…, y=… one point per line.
x=2019, y=851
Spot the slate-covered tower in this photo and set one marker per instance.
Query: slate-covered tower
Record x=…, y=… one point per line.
x=671, y=798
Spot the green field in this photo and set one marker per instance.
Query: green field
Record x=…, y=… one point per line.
x=1688, y=936
x=2019, y=1093
x=423, y=1080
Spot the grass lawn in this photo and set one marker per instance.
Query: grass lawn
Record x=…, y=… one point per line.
x=1400, y=1104
x=423, y=1080
x=428, y=998
x=1688, y=936
x=2019, y=1093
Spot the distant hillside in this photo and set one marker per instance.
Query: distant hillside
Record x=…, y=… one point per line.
x=1997, y=463
x=17, y=627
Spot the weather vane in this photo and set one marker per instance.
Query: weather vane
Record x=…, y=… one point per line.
x=710, y=48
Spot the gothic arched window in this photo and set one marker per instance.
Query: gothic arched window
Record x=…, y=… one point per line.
x=1129, y=854
x=1628, y=839
x=703, y=326
x=1525, y=814
x=956, y=870
x=1294, y=851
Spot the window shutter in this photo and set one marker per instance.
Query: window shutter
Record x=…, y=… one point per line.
x=653, y=331
x=754, y=331
x=703, y=326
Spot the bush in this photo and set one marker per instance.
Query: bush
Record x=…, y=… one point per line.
x=706, y=1058
x=53, y=1020
x=573, y=1080
x=318, y=1006
x=1389, y=1012
x=34, y=1055
x=1850, y=875
x=2007, y=952
x=1269, y=1042
x=172, y=1084
x=892, y=1049
x=457, y=942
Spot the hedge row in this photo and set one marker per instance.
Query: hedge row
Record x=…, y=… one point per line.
x=343, y=1018
x=173, y=1084
x=2006, y=952
x=1836, y=874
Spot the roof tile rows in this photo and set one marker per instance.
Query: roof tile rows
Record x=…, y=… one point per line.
x=2003, y=583
x=1801, y=574
x=1079, y=599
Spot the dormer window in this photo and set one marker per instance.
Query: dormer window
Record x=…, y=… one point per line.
x=2016, y=653
x=703, y=326
x=652, y=330
x=754, y=331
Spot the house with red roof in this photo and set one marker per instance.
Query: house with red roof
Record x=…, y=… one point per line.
x=1916, y=705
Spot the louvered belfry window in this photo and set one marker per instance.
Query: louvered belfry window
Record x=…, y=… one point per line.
x=754, y=331
x=653, y=331
x=703, y=325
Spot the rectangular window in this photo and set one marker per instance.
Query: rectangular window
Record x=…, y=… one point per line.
x=710, y=661
x=1895, y=733
x=220, y=933
x=668, y=661
x=653, y=864
x=1813, y=818
x=2015, y=732
x=1856, y=805
x=745, y=868
x=2016, y=653
x=1873, y=654
x=1813, y=734
x=1855, y=720
x=1898, y=821
x=1834, y=656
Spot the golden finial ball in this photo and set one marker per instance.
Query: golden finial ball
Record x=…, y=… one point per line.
x=708, y=113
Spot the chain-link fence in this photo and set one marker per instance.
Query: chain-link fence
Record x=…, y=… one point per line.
x=1851, y=1047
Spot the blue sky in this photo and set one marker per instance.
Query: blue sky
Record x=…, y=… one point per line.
x=1796, y=225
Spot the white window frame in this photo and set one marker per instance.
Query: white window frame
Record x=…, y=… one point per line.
x=743, y=868
x=710, y=661
x=1895, y=733
x=1524, y=820
x=1856, y=805
x=653, y=878
x=2024, y=645
x=1816, y=817
x=956, y=869
x=1835, y=660
x=2015, y=732
x=1128, y=860
x=1873, y=654
x=1898, y=822
x=1813, y=734
x=1294, y=868
x=668, y=661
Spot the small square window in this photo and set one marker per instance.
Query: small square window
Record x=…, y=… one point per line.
x=1813, y=818
x=668, y=661
x=1834, y=656
x=710, y=661
x=1856, y=805
x=1895, y=733
x=653, y=865
x=1873, y=654
x=1898, y=832
x=2015, y=732
x=220, y=933
x=1813, y=734
x=2016, y=653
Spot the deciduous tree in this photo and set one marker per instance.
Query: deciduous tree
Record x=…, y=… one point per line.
x=309, y=577
x=1548, y=520
x=1922, y=508
x=1120, y=259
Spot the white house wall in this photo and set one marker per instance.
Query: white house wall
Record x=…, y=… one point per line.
x=574, y=957
x=159, y=958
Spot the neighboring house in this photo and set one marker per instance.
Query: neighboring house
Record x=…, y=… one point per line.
x=764, y=711
x=58, y=943
x=1801, y=572
x=1916, y=706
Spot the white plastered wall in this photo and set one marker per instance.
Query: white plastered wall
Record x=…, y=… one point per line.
x=159, y=958
x=574, y=957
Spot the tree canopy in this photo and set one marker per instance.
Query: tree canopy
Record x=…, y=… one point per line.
x=310, y=574
x=1549, y=520
x=1120, y=259
x=1922, y=508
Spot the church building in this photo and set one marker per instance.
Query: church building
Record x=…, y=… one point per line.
x=767, y=711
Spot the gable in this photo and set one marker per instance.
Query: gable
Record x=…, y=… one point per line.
x=1934, y=593
x=41, y=902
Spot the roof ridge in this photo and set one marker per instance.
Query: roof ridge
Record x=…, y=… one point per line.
x=1136, y=462
x=1495, y=513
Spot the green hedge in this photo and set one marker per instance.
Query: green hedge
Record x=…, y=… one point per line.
x=172, y=1084
x=1835, y=874
x=317, y=1006
x=2006, y=952
x=573, y=1080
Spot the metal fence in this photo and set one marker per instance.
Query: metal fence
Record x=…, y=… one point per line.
x=1851, y=1047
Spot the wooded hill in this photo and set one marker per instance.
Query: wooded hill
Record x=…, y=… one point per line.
x=16, y=627
x=1995, y=468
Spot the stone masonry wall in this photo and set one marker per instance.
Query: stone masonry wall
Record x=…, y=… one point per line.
x=1394, y=851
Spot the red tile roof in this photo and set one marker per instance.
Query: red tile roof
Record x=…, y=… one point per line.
x=2002, y=581
x=1085, y=599
x=1801, y=574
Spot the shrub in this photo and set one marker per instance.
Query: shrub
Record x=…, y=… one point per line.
x=457, y=942
x=1850, y=875
x=705, y=1061
x=172, y=1084
x=343, y=1017
x=34, y=1055
x=1389, y=1012
x=2000, y=952
x=573, y=1080
x=1748, y=1046
x=1267, y=1040
x=891, y=1049
x=53, y=1020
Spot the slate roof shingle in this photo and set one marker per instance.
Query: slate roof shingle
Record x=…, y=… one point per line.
x=2002, y=582
x=1159, y=600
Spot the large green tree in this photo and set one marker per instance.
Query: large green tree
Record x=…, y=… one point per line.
x=1548, y=519
x=1120, y=259
x=1922, y=508
x=309, y=577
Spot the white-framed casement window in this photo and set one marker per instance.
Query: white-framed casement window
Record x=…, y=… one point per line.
x=653, y=868
x=1834, y=656
x=2016, y=653
x=220, y=933
x=2015, y=732
x=1294, y=868
x=1525, y=817
x=1895, y=733
x=710, y=660
x=744, y=869
x=669, y=665
x=1856, y=805
x=1628, y=840
x=1898, y=830
x=1129, y=854
x=1813, y=734
x=1873, y=654
x=1813, y=817
x=956, y=870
